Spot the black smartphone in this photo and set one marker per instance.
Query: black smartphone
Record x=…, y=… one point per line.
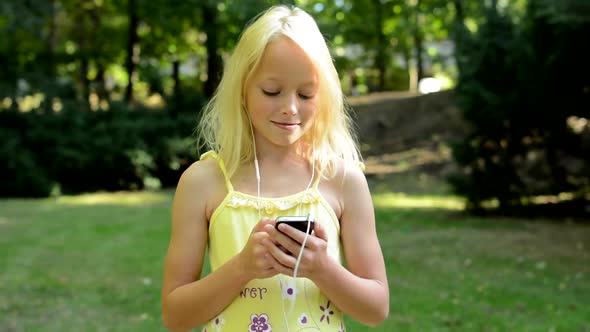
x=298, y=222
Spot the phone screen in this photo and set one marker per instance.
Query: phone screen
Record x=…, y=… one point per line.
x=298, y=222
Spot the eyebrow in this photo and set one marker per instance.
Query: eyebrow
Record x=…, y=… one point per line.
x=308, y=83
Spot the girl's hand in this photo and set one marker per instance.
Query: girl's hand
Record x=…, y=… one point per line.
x=314, y=256
x=255, y=259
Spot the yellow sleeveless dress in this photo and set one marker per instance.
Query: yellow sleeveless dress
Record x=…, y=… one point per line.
x=281, y=303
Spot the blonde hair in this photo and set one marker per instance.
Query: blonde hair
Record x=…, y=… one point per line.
x=224, y=126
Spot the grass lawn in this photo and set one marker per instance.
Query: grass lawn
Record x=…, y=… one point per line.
x=94, y=263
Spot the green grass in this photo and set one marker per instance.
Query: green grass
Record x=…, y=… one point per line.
x=94, y=263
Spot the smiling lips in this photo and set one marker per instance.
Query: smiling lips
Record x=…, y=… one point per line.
x=286, y=125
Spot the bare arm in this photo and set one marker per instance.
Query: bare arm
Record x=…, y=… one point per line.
x=187, y=301
x=360, y=291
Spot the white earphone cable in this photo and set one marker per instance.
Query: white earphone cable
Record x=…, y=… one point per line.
x=309, y=219
x=256, y=168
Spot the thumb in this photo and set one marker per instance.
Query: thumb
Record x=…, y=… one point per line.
x=320, y=231
x=260, y=225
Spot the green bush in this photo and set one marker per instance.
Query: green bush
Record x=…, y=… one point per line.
x=22, y=174
x=521, y=87
x=83, y=151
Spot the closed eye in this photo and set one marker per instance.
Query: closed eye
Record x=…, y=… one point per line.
x=271, y=93
x=305, y=97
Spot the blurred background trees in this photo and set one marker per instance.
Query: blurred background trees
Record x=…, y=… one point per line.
x=524, y=86
x=104, y=94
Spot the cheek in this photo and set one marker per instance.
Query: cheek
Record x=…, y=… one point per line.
x=258, y=107
x=264, y=111
x=311, y=112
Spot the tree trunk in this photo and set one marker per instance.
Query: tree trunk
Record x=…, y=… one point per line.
x=412, y=81
x=418, y=42
x=213, y=59
x=132, y=50
x=460, y=12
x=52, y=39
x=177, y=93
x=380, y=58
x=50, y=58
x=84, y=80
x=176, y=77
x=84, y=36
x=459, y=33
x=101, y=90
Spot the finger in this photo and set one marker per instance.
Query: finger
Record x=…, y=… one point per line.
x=279, y=268
x=269, y=271
x=276, y=267
x=290, y=233
x=278, y=255
x=320, y=231
x=260, y=225
x=268, y=262
x=283, y=249
x=258, y=237
x=284, y=240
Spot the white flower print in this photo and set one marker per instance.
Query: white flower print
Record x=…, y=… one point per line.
x=289, y=291
x=218, y=323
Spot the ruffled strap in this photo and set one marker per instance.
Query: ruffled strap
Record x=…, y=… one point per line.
x=213, y=155
x=273, y=205
x=361, y=165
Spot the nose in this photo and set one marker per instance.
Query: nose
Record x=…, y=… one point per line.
x=290, y=106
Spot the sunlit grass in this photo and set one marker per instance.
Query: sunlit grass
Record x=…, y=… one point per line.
x=94, y=263
x=401, y=200
x=120, y=198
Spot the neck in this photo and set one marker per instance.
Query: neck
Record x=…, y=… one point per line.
x=296, y=154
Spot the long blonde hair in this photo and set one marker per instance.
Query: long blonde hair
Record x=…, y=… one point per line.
x=224, y=125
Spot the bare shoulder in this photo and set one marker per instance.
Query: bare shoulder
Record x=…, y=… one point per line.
x=347, y=180
x=354, y=182
x=204, y=183
x=200, y=171
x=195, y=193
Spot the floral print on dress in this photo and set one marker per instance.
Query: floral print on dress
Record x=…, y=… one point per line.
x=289, y=291
x=259, y=323
x=326, y=312
x=303, y=319
x=341, y=328
x=218, y=323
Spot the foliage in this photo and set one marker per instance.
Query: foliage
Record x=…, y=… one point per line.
x=79, y=151
x=525, y=90
x=20, y=172
x=61, y=59
x=377, y=42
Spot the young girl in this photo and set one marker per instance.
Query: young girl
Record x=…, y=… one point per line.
x=281, y=146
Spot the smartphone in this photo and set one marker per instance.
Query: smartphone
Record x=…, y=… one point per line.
x=298, y=222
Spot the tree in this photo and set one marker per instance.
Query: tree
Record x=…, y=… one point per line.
x=521, y=86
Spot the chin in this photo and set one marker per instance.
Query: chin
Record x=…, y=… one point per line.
x=287, y=141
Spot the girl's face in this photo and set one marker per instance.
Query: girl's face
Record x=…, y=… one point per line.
x=282, y=95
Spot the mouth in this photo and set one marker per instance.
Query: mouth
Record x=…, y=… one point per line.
x=286, y=125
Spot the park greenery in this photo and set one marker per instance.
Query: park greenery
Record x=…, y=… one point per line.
x=105, y=94
x=94, y=262
x=99, y=101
